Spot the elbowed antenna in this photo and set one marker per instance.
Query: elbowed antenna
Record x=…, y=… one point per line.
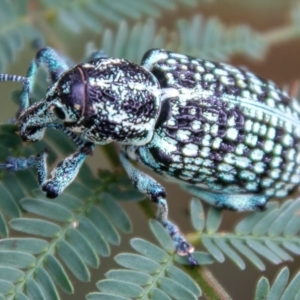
x=26, y=91
x=15, y=78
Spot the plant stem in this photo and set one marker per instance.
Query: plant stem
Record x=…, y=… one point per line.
x=211, y=288
x=281, y=35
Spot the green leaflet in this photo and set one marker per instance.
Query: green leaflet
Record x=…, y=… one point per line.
x=73, y=261
x=10, y=274
x=58, y=273
x=77, y=15
x=14, y=28
x=150, y=274
x=139, y=278
x=46, y=283
x=28, y=245
x=16, y=259
x=162, y=236
x=283, y=287
x=197, y=215
x=75, y=239
x=258, y=236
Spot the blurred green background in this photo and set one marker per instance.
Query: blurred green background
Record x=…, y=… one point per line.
x=263, y=36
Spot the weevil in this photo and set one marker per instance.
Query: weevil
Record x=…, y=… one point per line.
x=224, y=134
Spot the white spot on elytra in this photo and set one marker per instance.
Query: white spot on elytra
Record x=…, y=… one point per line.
x=232, y=133
x=251, y=139
x=183, y=135
x=257, y=154
x=268, y=146
x=259, y=167
x=190, y=150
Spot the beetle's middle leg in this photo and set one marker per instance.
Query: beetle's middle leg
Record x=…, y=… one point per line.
x=157, y=194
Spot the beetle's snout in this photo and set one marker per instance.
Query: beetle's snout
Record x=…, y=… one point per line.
x=31, y=133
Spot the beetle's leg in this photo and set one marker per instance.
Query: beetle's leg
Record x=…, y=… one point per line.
x=13, y=164
x=238, y=202
x=39, y=162
x=66, y=171
x=147, y=185
x=55, y=66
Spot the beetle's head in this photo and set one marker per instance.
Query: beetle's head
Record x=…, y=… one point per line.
x=61, y=104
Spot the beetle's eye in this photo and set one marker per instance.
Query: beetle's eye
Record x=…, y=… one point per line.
x=31, y=130
x=59, y=112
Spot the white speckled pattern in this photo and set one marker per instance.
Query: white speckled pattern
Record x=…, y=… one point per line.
x=245, y=129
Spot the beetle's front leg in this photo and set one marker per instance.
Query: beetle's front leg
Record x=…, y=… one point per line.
x=66, y=171
x=147, y=185
x=13, y=164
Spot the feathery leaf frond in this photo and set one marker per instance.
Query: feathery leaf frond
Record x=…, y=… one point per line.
x=14, y=30
x=280, y=289
x=206, y=39
x=74, y=235
x=271, y=235
x=150, y=272
x=200, y=38
x=93, y=14
x=68, y=236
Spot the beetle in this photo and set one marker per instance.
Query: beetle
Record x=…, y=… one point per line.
x=224, y=134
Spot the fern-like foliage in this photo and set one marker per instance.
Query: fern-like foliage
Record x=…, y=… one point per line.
x=14, y=29
x=77, y=227
x=150, y=274
x=197, y=37
x=206, y=39
x=92, y=14
x=209, y=39
x=272, y=235
x=66, y=237
x=280, y=289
